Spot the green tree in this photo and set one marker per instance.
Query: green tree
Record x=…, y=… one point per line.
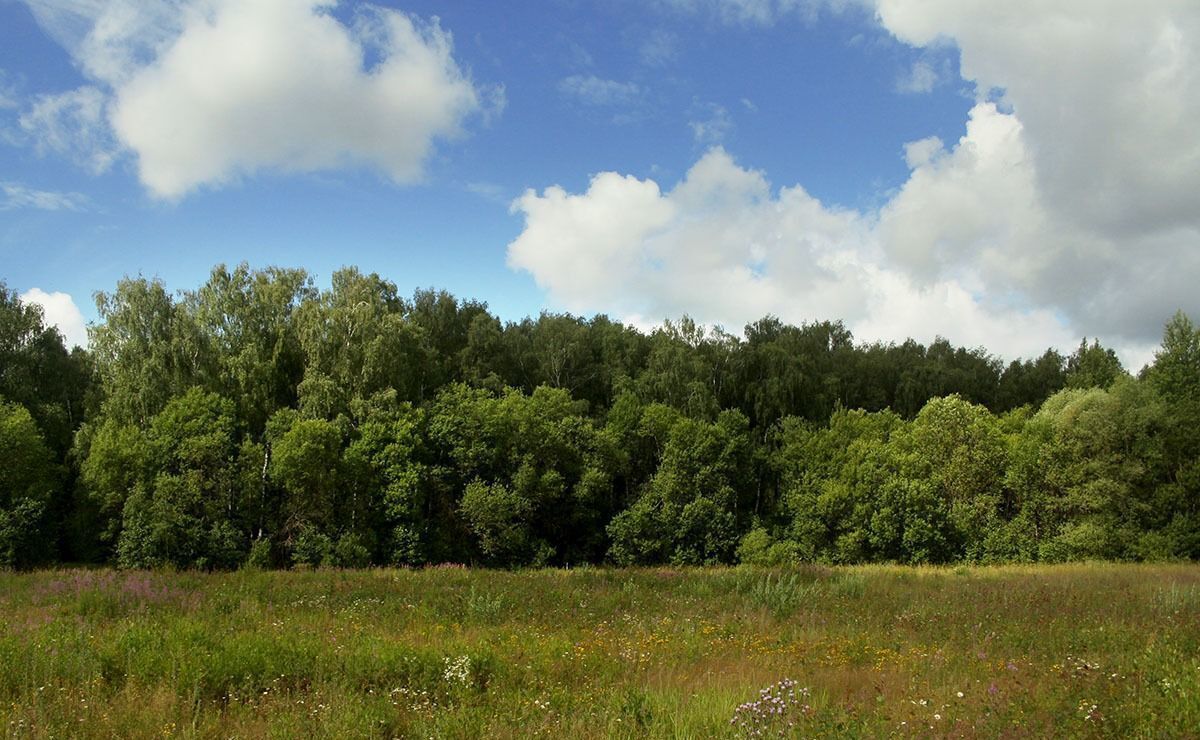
x=699, y=501
x=830, y=479
x=306, y=457
x=534, y=471
x=247, y=319
x=1093, y=366
x=147, y=350
x=1102, y=456
x=386, y=472
x=186, y=511
x=28, y=479
x=37, y=372
x=113, y=461
x=357, y=341
x=1175, y=374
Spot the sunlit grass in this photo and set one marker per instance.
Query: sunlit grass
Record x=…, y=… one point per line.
x=1064, y=651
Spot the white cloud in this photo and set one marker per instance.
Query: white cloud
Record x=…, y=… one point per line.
x=1085, y=194
x=1070, y=205
x=18, y=196
x=593, y=90
x=931, y=69
x=922, y=77
x=659, y=49
x=59, y=310
x=965, y=249
x=73, y=125
x=207, y=91
x=724, y=248
x=761, y=12
x=1108, y=94
x=8, y=92
x=711, y=125
x=490, y=191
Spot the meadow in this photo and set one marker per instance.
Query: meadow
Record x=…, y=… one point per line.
x=1087, y=650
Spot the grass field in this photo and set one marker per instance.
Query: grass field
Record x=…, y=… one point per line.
x=1067, y=651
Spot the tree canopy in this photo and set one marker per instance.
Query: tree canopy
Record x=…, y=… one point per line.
x=260, y=419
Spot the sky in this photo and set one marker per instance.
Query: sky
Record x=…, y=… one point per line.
x=1014, y=175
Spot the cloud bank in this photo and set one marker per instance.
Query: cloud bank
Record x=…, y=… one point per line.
x=203, y=92
x=1070, y=206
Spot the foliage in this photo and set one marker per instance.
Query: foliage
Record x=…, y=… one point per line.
x=28, y=478
x=261, y=417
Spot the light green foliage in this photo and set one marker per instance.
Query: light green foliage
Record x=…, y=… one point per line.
x=757, y=547
x=247, y=319
x=957, y=447
x=306, y=457
x=1099, y=468
x=147, y=350
x=358, y=340
x=186, y=510
x=115, y=459
x=831, y=478
x=28, y=478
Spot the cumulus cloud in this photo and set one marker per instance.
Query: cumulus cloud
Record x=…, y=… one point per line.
x=18, y=196
x=203, y=92
x=1084, y=193
x=1108, y=94
x=722, y=246
x=1069, y=206
x=59, y=309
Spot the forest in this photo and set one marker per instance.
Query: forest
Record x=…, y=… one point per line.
x=262, y=421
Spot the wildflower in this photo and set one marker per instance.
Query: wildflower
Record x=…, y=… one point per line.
x=774, y=705
x=458, y=670
x=960, y=695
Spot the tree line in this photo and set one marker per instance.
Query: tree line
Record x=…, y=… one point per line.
x=259, y=420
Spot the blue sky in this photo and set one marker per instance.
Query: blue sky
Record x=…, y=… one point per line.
x=1012, y=176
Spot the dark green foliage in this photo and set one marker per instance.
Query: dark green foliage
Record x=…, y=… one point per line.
x=1093, y=366
x=533, y=471
x=260, y=420
x=689, y=512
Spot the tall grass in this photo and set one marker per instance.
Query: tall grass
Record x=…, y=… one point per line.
x=1090, y=650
